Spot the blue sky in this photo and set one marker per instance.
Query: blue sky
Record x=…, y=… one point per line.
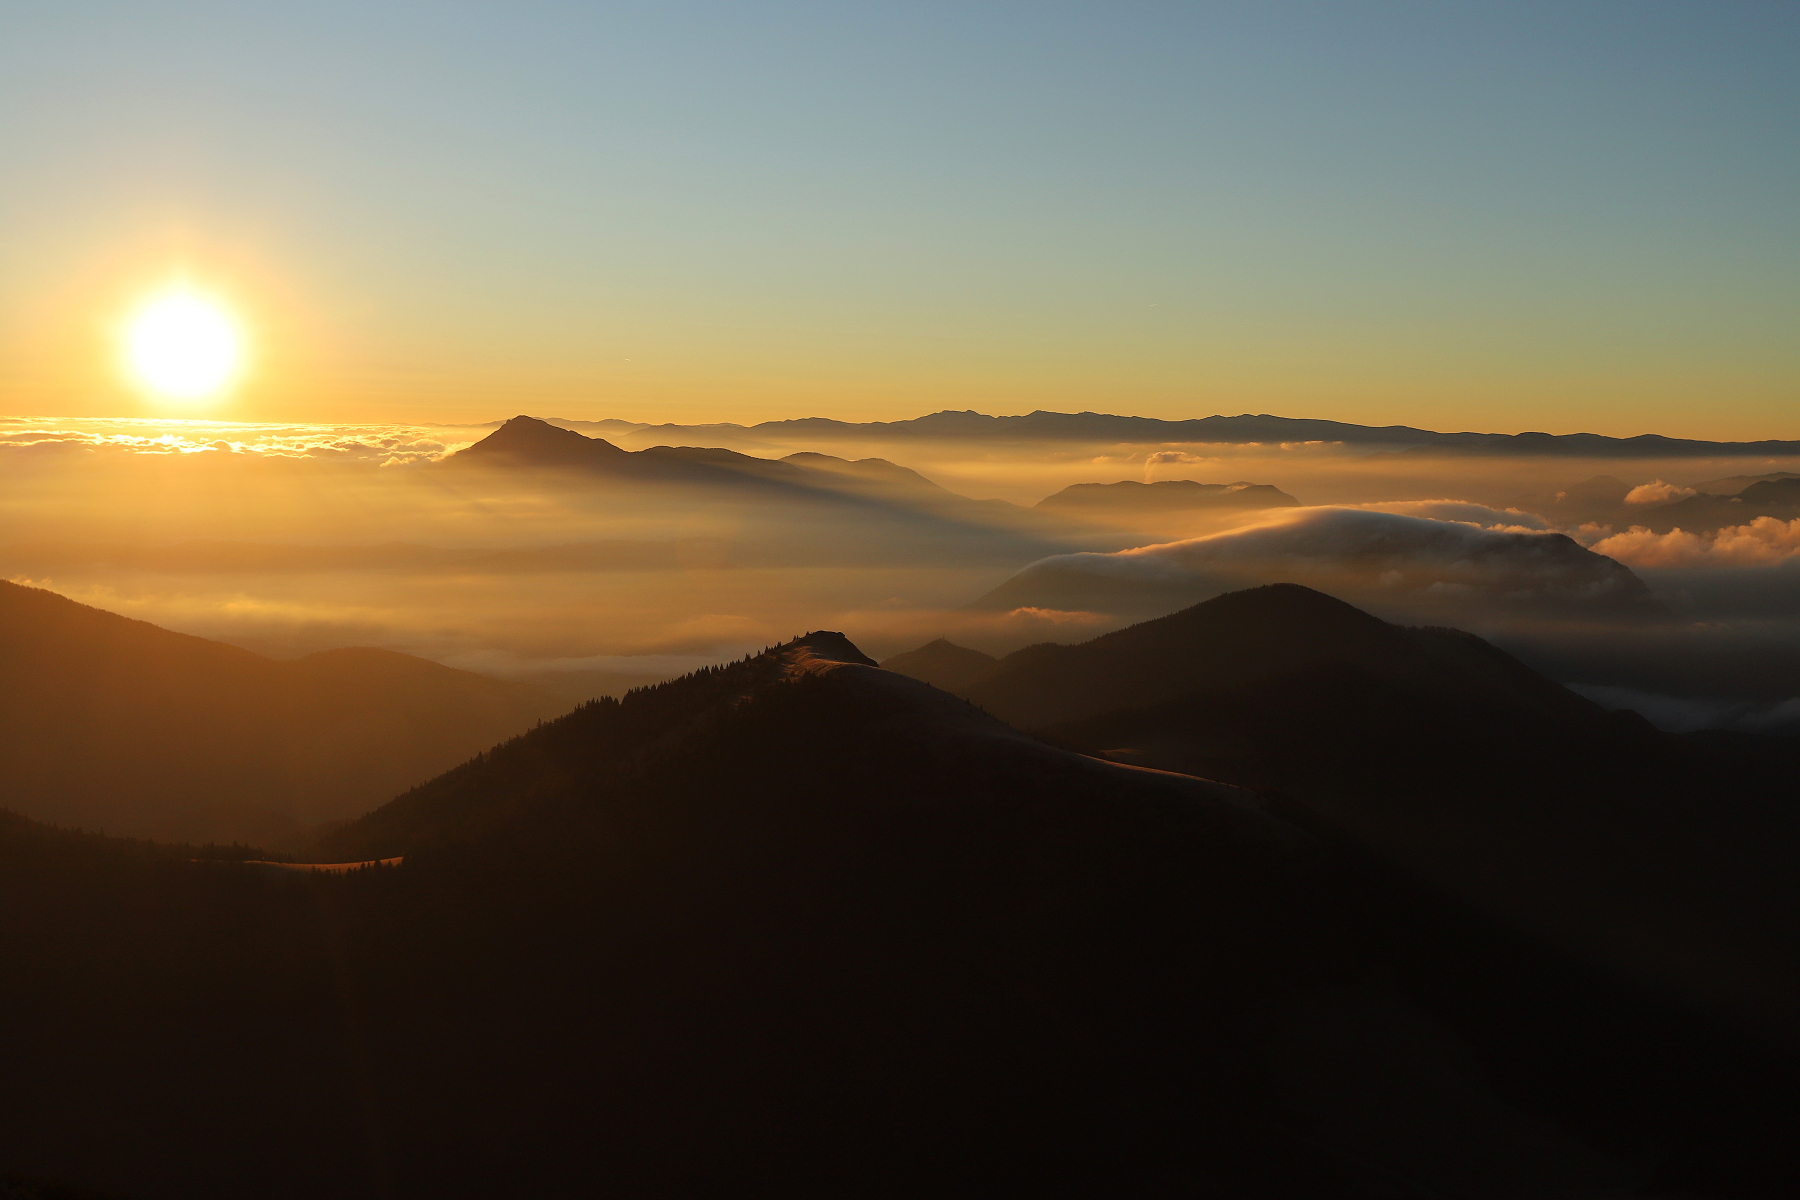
x=1498, y=216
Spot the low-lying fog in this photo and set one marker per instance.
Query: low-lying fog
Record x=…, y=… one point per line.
x=1675, y=596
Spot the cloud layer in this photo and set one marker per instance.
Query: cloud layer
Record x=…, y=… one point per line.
x=1397, y=562
x=374, y=444
x=1766, y=541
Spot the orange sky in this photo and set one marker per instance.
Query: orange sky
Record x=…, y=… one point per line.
x=1523, y=219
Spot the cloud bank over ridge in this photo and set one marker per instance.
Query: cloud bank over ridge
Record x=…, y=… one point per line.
x=1404, y=563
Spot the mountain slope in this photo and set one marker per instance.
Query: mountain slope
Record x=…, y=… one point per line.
x=1444, y=756
x=1245, y=637
x=796, y=924
x=941, y=663
x=801, y=926
x=1705, y=512
x=112, y=723
x=851, y=511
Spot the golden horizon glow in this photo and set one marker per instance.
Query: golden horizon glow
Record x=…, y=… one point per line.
x=183, y=345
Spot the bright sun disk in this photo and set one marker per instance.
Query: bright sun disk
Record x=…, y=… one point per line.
x=183, y=345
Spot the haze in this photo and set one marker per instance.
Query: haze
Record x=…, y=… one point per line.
x=797, y=599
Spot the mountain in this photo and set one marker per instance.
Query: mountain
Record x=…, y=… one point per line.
x=529, y=443
x=1164, y=495
x=1042, y=426
x=1246, y=637
x=1731, y=485
x=861, y=511
x=797, y=924
x=1443, y=756
x=800, y=925
x=941, y=663
x=1704, y=512
x=1401, y=564
x=107, y=722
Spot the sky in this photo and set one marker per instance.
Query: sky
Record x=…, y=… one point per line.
x=1559, y=216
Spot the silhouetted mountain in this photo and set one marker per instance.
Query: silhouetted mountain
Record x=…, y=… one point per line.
x=941, y=663
x=1731, y=485
x=1042, y=426
x=853, y=511
x=1165, y=495
x=1706, y=512
x=1444, y=756
x=529, y=442
x=1594, y=445
x=796, y=924
x=112, y=723
x=802, y=926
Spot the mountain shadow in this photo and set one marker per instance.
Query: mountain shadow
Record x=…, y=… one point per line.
x=116, y=724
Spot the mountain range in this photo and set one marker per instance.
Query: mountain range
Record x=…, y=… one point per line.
x=855, y=508
x=1041, y=426
x=1428, y=925
x=1438, y=752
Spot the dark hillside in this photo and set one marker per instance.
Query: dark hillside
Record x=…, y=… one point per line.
x=795, y=924
x=1240, y=637
x=802, y=926
x=941, y=663
x=1441, y=755
x=115, y=724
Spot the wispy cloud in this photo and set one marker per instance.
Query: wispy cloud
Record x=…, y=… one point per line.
x=374, y=444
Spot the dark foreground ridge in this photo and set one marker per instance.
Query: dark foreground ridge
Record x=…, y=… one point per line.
x=800, y=925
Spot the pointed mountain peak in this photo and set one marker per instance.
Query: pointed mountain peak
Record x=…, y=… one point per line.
x=823, y=646
x=941, y=663
x=527, y=441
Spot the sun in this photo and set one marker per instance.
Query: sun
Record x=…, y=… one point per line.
x=183, y=345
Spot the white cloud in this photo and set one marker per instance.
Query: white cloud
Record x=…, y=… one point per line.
x=1684, y=714
x=373, y=444
x=1401, y=562
x=1763, y=542
x=1657, y=492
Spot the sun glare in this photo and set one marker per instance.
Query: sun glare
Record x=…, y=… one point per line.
x=183, y=345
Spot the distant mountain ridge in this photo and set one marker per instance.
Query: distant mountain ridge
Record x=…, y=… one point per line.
x=874, y=507
x=1044, y=426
